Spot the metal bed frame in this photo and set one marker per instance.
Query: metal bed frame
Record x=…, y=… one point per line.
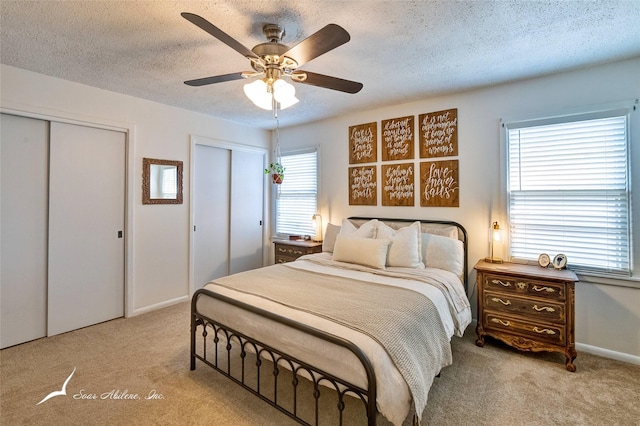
x=224, y=337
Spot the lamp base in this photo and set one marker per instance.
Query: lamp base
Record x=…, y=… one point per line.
x=493, y=260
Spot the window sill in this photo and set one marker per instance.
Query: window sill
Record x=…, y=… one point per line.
x=629, y=282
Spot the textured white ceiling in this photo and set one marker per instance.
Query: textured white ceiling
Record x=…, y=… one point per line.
x=400, y=50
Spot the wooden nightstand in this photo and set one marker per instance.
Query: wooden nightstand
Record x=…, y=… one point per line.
x=288, y=251
x=528, y=307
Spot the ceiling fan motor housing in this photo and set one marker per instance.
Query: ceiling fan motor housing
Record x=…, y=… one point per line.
x=271, y=52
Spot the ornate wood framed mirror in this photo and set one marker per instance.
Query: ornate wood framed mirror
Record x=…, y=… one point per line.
x=161, y=181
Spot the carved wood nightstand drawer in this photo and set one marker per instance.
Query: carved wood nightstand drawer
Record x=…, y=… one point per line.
x=535, y=309
x=521, y=285
x=554, y=334
x=528, y=307
x=288, y=251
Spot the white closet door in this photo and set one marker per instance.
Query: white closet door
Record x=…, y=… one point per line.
x=211, y=213
x=86, y=215
x=24, y=165
x=247, y=200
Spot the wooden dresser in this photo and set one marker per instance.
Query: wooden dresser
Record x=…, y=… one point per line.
x=288, y=251
x=528, y=307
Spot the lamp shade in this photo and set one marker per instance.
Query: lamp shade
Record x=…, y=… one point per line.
x=495, y=241
x=284, y=93
x=317, y=225
x=258, y=94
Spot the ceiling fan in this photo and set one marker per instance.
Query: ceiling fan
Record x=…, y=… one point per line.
x=273, y=60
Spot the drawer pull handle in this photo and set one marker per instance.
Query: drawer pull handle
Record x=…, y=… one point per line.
x=547, y=289
x=298, y=252
x=499, y=321
x=544, y=330
x=282, y=249
x=507, y=284
x=497, y=299
x=543, y=308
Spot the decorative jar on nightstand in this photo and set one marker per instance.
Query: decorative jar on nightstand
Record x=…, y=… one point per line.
x=528, y=307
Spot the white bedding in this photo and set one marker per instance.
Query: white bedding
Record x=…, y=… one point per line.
x=394, y=399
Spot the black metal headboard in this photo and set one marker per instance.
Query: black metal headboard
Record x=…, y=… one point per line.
x=462, y=236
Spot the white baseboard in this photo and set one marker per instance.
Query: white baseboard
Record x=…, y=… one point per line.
x=606, y=353
x=161, y=305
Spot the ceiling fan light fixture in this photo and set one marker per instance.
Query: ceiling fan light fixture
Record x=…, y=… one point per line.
x=258, y=93
x=284, y=93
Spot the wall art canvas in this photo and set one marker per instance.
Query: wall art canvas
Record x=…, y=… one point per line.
x=438, y=133
x=363, y=143
x=398, y=184
x=398, y=138
x=439, y=184
x=363, y=186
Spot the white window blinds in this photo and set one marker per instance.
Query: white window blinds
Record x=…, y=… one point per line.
x=298, y=199
x=569, y=191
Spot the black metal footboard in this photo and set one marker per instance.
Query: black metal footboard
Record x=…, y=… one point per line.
x=226, y=337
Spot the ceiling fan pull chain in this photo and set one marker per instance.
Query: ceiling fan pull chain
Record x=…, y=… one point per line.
x=277, y=149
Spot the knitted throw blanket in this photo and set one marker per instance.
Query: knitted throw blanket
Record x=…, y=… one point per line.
x=404, y=322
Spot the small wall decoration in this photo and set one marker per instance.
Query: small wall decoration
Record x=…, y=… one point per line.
x=363, y=143
x=438, y=133
x=439, y=185
x=363, y=185
x=398, y=184
x=398, y=138
x=161, y=181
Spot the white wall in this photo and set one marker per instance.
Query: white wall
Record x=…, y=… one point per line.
x=607, y=317
x=158, y=235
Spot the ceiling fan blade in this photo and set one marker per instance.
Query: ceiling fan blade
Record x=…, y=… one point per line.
x=316, y=44
x=329, y=82
x=219, y=34
x=216, y=79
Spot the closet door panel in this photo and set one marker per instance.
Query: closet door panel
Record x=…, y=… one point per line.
x=24, y=160
x=211, y=213
x=86, y=215
x=247, y=200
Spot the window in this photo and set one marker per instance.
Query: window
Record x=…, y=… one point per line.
x=568, y=190
x=297, y=201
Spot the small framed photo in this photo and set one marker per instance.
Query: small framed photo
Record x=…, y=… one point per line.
x=544, y=260
x=560, y=261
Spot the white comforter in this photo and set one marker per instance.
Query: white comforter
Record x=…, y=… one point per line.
x=394, y=398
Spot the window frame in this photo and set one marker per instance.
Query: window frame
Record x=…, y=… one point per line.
x=610, y=110
x=298, y=151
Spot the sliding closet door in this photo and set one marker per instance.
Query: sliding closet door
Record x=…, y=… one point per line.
x=24, y=166
x=247, y=200
x=211, y=213
x=86, y=226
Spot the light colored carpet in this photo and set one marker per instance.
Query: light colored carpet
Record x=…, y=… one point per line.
x=494, y=385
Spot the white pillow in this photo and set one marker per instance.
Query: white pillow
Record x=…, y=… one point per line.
x=443, y=253
x=363, y=251
x=406, y=247
x=330, y=235
x=366, y=230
